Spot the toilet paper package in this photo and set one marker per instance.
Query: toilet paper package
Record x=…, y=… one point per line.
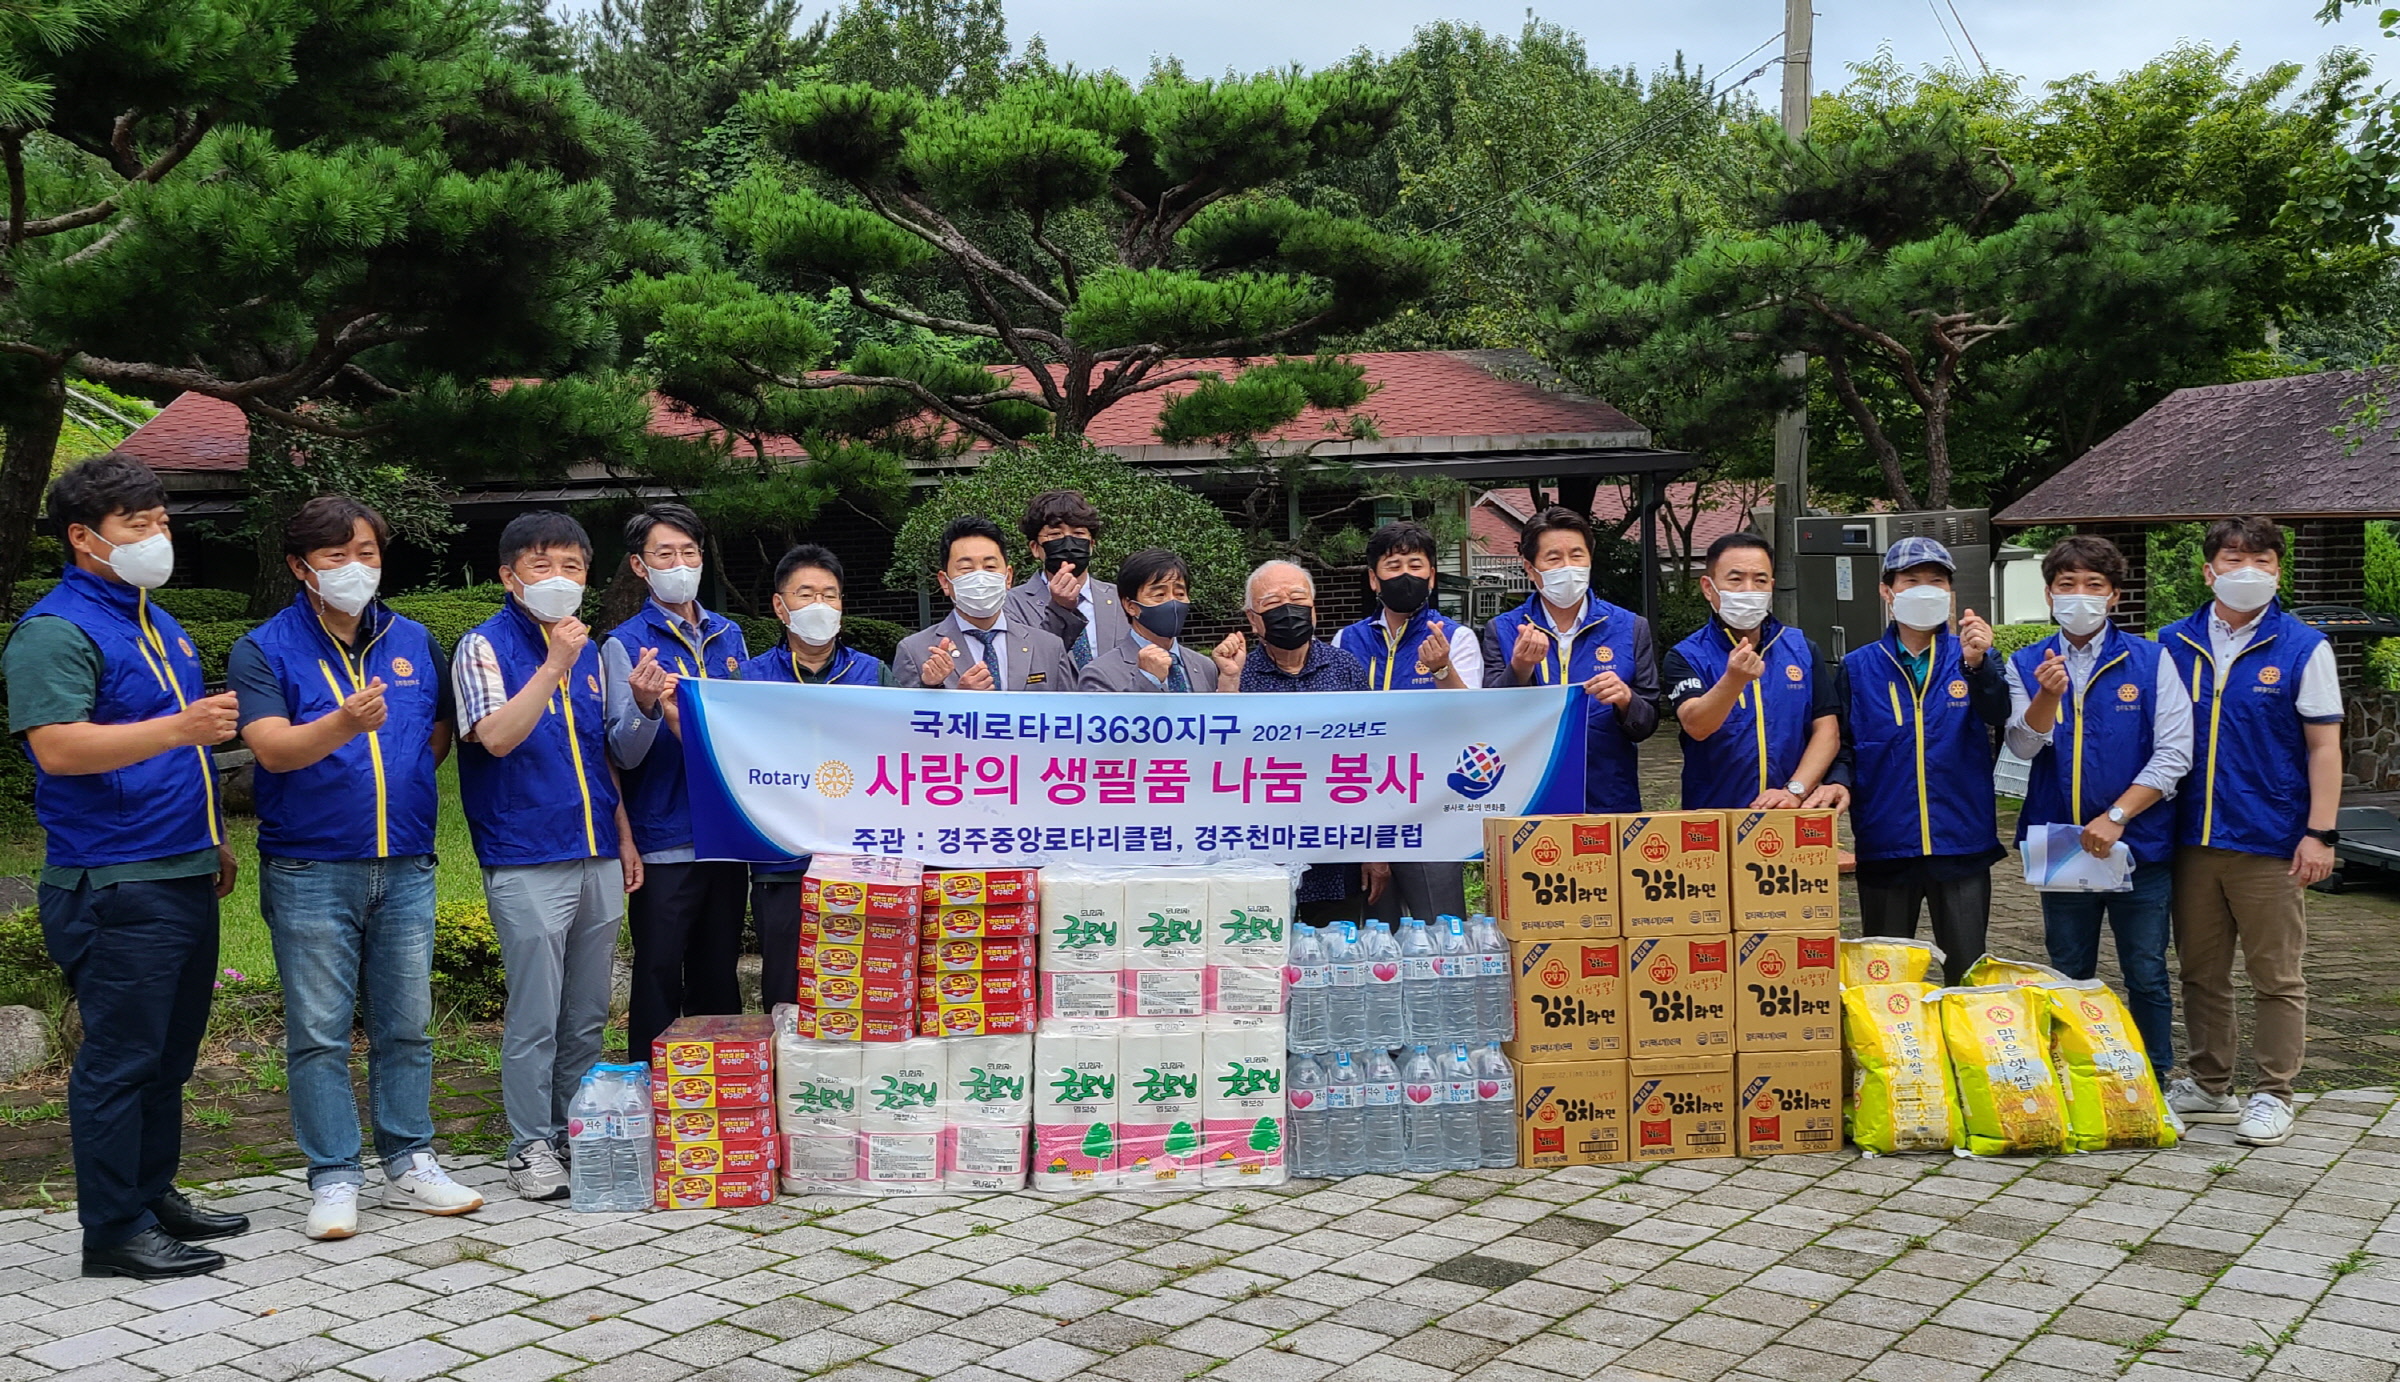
x=990, y=1113
x=1159, y=1099
x=900, y=1086
x=1166, y=919
x=1075, y=1107
x=1253, y=990
x=816, y=1085
x=1082, y=943
x=1249, y=915
x=1155, y=993
x=1241, y=1096
x=901, y=1163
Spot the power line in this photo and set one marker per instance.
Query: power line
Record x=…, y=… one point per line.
x=1943, y=25
x=1970, y=37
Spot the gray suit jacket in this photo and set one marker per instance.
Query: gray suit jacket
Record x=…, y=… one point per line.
x=1035, y=660
x=1116, y=668
x=1029, y=606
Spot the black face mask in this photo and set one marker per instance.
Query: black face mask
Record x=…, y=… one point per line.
x=1066, y=551
x=1404, y=594
x=1165, y=618
x=1289, y=626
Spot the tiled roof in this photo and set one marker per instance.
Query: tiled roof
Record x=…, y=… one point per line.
x=2282, y=448
x=1427, y=400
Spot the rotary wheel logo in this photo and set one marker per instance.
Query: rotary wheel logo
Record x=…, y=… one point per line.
x=1792, y=672
x=834, y=778
x=1958, y=689
x=2267, y=676
x=402, y=667
x=2129, y=693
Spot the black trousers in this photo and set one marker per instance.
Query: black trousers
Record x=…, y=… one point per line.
x=1423, y=891
x=1961, y=907
x=775, y=911
x=687, y=946
x=141, y=960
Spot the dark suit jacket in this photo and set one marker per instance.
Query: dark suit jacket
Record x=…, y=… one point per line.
x=1029, y=606
x=1117, y=668
x=1034, y=661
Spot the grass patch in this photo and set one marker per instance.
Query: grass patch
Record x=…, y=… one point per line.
x=1016, y=1288
x=869, y=1255
x=2223, y=1168
x=25, y=1114
x=2354, y=1262
x=213, y=1116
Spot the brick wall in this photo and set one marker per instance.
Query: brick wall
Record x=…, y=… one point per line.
x=2329, y=567
x=2133, y=539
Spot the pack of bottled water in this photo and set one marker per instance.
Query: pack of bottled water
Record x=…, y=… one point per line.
x=612, y=1158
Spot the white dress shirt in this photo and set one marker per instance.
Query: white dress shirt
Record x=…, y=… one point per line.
x=2170, y=729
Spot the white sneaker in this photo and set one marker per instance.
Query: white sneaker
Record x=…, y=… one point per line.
x=425, y=1186
x=2266, y=1122
x=535, y=1174
x=333, y=1210
x=2193, y=1104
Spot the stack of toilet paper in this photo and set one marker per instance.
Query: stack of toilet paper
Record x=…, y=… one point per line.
x=1248, y=930
x=1082, y=943
x=1166, y=952
x=1158, y=1104
x=924, y=1116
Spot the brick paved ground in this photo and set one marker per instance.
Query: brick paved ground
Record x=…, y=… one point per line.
x=2209, y=1261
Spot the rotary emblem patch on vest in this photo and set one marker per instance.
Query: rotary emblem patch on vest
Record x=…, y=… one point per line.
x=186, y=645
x=593, y=682
x=2267, y=675
x=402, y=667
x=731, y=664
x=1606, y=653
x=2129, y=693
x=1792, y=672
x=1958, y=689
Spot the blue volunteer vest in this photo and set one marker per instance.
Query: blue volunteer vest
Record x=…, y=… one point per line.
x=374, y=797
x=1761, y=742
x=2248, y=788
x=550, y=799
x=849, y=667
x=2099, y=742
x=164, y=805
x=1392, y=665
x=1603, y=643
x=1923, y=773
x=656, y=804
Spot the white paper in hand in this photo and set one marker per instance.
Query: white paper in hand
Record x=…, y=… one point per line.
x=2055, y=862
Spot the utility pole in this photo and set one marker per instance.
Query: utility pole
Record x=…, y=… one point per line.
x=1791, y=430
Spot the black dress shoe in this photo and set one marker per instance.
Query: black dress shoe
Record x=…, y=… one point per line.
x=151, y=1255
x=181, y=1219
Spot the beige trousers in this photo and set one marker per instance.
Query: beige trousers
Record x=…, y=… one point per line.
x=2224, y=898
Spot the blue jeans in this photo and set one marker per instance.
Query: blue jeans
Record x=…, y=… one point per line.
x=2071, y=932
x=344, y=931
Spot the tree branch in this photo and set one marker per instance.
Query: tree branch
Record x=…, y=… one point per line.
x=1887, y=456
x=965, y=420
x=167, y=161
x=1066, y=265
x=912, y=317
x=12, y=157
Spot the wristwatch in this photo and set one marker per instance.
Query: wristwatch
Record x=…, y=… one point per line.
x=2328, y=837
x=2117, y=816
x=1796, y=787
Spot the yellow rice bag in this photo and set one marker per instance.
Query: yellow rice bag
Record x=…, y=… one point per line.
x=1887, y=960
x=1997, y=1037
x=2104, y=1071
x=1900, y=1096
x=1991, y=969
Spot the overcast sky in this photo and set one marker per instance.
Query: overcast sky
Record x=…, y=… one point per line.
x=2039, y=39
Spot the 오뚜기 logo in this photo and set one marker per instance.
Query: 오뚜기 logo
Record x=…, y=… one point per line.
x=1479, y=771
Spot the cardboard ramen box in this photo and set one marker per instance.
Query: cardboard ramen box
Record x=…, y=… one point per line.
x=1787, y=990
x=726, y=1191
x=1552, y=877
x=1570, y=1001
x=718, y=1158
x=715, y=1125
x=1680, y=1107
x=971, y=923
x=729, y=1045
x=1570, y=1114
x=1791, y=1102
x=1679, y=993
x=980, y=887
x=1672, y=867
x=713, y=1091
x=887, y=898
x=1785, y=871
x=978, y=1019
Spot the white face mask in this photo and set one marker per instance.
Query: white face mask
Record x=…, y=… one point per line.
x=674, y=585
x=1565, y=585
x=145, y=564
x=348, y=587
x=552, y=599
x=814, y=624
x=2243, y=589
x=2080, y=615
x=1921, y=607
x=979, y=594
x=1744, y=609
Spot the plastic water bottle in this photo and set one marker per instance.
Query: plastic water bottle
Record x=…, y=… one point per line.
x=1496, y=998
x=1462, y=1114
x=1420, y=982
x=636, y=1158
x=1462, y=980
x=1304, y=1087
x=1421, y=1111
x=1346, y=987
x=1496, y=1106
x=1346, y=1115
x=1386, y=1150
x=1308, y=1029
x=1386, y=1011
x=591, y=1167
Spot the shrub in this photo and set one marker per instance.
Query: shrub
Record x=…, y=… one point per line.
x=27, y=974
x=214, y=639
x=467, y=973
x=2383, y=664
x=2008, y=638
x=195, y=605
x=447, y=615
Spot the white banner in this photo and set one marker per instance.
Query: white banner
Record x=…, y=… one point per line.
x=982, y=777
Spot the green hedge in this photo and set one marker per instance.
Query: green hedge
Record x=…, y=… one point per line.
x=196, y=605
x=2008, y=638
x=467, y=973
x=214, y=641
x=446, y=615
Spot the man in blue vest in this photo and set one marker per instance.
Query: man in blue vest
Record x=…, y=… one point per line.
x=1919, y=708
x=543, y=808
x=687, y=919
x=1564, y=632
x=106, y=690
x=1761, y=726
x=1409, y=645
x=346, y=706
x=2100, y=715
x=2254, y=825
x=808, y=603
